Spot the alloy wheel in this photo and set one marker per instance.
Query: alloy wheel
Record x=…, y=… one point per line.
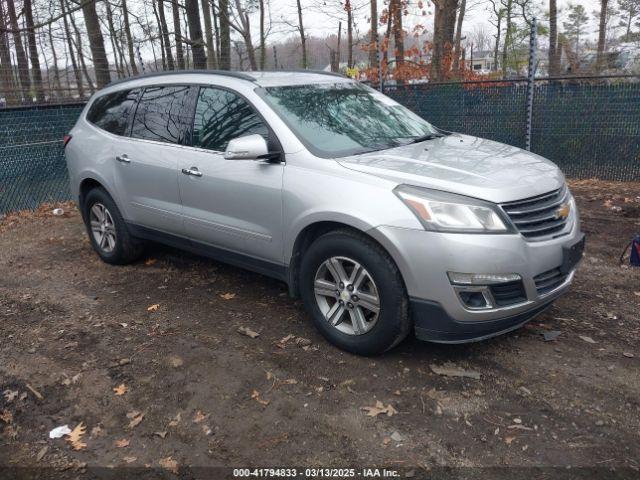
x=346, y=295
x=102, y=227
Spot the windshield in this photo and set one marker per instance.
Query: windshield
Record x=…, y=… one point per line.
x=335, y=120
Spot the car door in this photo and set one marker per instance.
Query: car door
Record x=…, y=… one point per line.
x=148, y=159
x=232, y=204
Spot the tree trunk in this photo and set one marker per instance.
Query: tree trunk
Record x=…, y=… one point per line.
x=602, y=35
x=96, y=44
x=303, y=38
x=78, y=43
x=387, y=39
x=458, y=39
x=165, y=36
x=56, y=71
x=74, y=64
x=554, y=57
x=398, y=40
x=129, y=38
x=349, y=9
x=178, y=34
x=36, y=72
x=112, y=38
x=507, y=36
x=444, y=26
x=496, y=47
x=263, y=39
x=208, y=34
x=216, y=33
x=6, y=77
x=373, y=42
x=195, y=33
x=21, y=56
x=225, y=36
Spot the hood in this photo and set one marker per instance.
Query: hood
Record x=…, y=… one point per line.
x=462, y=164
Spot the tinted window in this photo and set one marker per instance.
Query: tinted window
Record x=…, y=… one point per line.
x=222, y=116
x=162, y=114
x=111, y=112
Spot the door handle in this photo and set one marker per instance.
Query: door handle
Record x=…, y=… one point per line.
x=192, y=171
x=124, y=158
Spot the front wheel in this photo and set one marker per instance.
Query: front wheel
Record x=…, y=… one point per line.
x=354, y=293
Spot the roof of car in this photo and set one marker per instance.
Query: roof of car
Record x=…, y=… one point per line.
x=261, y=78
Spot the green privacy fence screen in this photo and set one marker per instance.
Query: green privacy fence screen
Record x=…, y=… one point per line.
x=589, y=129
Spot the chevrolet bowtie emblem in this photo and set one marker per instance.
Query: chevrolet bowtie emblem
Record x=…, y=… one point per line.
x=562, y=212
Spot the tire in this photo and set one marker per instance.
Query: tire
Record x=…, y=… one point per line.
x=117, y=249
x=382, y=279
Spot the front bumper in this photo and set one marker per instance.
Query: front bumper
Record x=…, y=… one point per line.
x=424, y=258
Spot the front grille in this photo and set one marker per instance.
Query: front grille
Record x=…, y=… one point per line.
x=508, y=293
x=549, y=280
x=535, y=217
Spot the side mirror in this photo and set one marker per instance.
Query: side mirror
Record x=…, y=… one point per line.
x=250, y=147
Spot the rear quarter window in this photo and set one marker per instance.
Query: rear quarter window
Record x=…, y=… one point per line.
x=111, y=112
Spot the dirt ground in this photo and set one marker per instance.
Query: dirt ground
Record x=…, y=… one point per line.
x=149, y=359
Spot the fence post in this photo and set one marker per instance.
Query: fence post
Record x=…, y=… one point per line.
x=531, y=81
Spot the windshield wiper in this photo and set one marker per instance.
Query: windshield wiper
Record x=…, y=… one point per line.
x=424, y=138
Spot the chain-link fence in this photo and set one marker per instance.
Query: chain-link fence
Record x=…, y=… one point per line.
x=589, y=128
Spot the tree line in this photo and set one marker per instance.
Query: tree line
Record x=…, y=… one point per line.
x=70, y=48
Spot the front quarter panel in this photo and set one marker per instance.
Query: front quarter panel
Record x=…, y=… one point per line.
x=321, y=190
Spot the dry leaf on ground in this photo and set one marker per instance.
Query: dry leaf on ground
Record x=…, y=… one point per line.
x=6, y=416
x=453, y=371
x=75, y=437
x=169, y=464
x=135, y=417
x=228, y=296
x=248, y=332
x=380, y=408
x=199, y=417
x=130, y=459
x=121, y=443
x=150, y=261
x=153, y=308
x=121, y=389
x=256, y=396
x=10, y=395
x=586, y=339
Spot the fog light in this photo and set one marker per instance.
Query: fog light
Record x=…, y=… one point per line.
x=482, y=278
x=473, y=300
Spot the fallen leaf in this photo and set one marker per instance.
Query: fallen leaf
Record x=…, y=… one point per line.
x=10, y=395
x=248, y=332
x=135, y=417
x=380, y=408
x=75, y=437
x=175, y=361
x=637, y=293
x=161, y=434
x=256, y=396
x=176, y=420
x=228, y=296
x=199, y=417
x=130, y=459
x=586, y=339
x=121, y=389
x=508, y=440
x=96, y=432
x=453, y=371
x=35, y=392
x=153, y=308
x=169, y=464
x=121, y=443
x=628, y=354
x=6, y=416
x=150, y=261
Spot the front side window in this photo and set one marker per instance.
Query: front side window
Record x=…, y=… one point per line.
x=162, y=114
x=221, y=116
x=111, y=112
x=335, y=120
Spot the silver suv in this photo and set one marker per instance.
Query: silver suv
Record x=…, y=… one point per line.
x=379, y=221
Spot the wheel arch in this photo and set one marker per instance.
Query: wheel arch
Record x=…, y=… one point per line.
x=88, y=183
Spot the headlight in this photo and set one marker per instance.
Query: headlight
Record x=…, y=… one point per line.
x=449, y=212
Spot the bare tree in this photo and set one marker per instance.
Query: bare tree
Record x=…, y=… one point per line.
x=225, y=35
x=373, y=42
x=554, y=52
x=195, y=33
x=208, y=34
x=458, y=37
x=175, y=9
x=443, y=30
x=67, y=34
x=164, y=31
x=23, y=65
x=129, y=38
x=36, y=72
x=303, y=38
x=602, y=32
x=6, y=78
x=398, y=35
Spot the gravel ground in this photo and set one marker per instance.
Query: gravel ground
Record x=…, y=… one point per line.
x=149, y=358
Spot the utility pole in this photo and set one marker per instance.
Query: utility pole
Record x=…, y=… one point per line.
x=531, y=81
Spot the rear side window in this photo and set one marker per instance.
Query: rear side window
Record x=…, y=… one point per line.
x=162, y=114
x=111, y=112
x=222, y=116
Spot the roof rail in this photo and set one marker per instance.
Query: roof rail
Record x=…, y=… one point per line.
x=226, y=73
x=317, y=72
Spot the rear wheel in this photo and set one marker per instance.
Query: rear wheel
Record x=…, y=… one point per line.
x=107, y=229
x=354, y=293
